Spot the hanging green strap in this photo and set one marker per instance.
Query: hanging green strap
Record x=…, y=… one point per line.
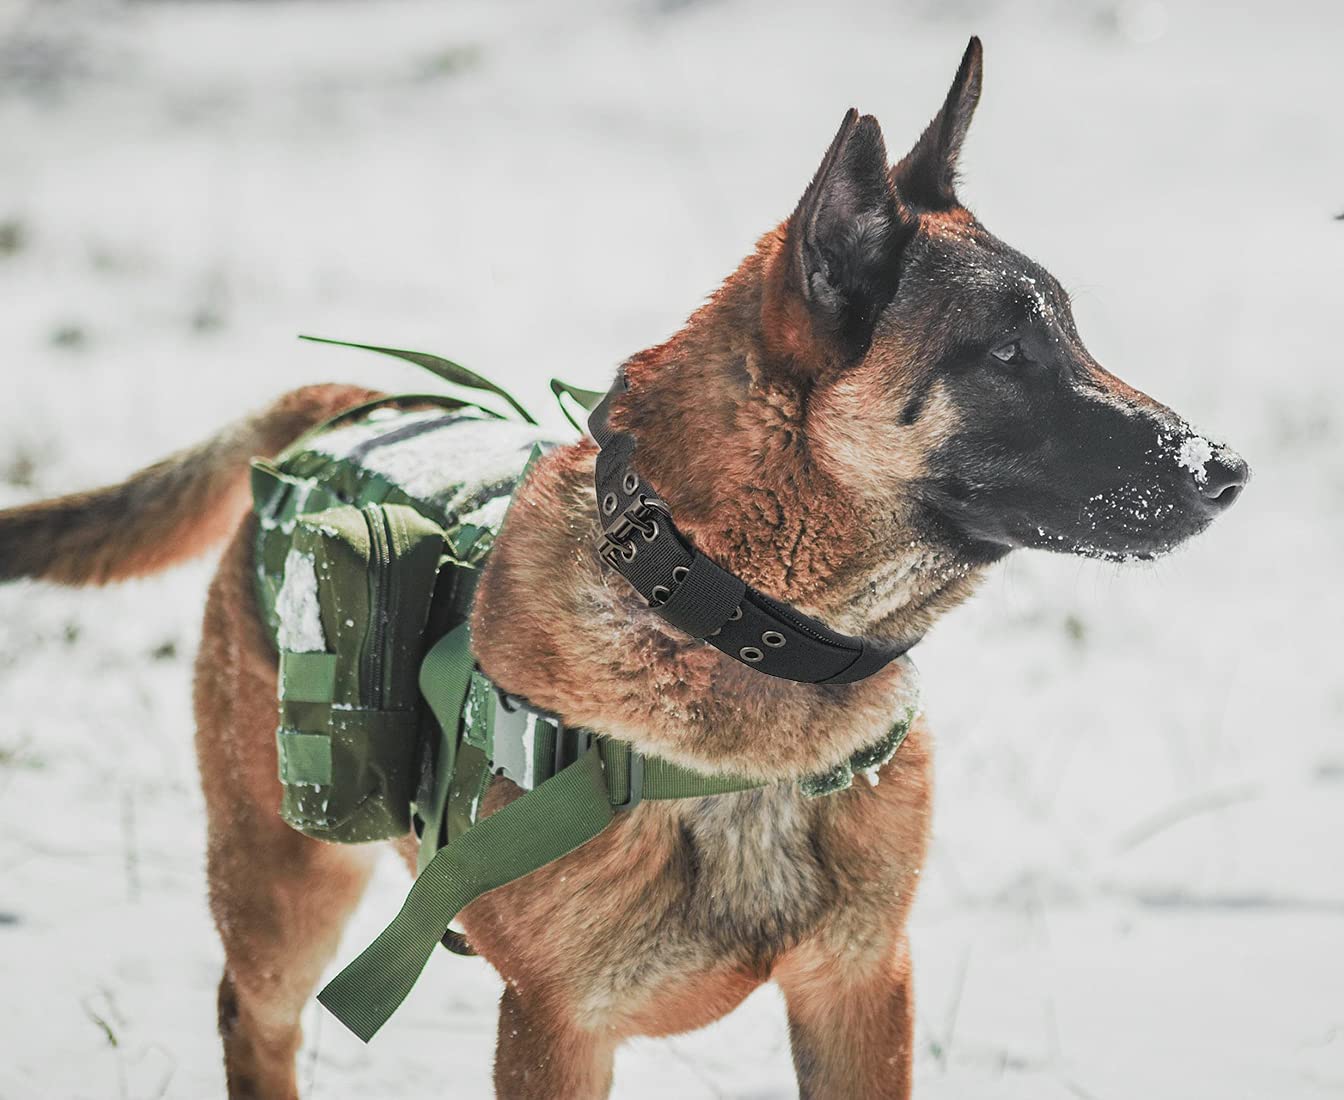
x=541, y=826
x=551, y=821
x=445, y=675
x=548, y=822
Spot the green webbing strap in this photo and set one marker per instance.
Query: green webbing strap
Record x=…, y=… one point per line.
x=663, y=780
x=445, y=675
x=551, y=821
x=307, y=677
x=304, y=757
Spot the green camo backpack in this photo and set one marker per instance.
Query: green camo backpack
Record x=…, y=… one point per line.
x=369, y=527
x=353, y=606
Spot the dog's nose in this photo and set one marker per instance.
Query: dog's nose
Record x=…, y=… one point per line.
x=1225, y=475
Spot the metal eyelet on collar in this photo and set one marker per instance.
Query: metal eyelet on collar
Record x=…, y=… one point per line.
x=773, y=638
x=652, y=532
x=628, y=551
x=679, y=574
x=630, y=482
x=750, y=653
x=737, y=614
x=609, y=504
x=659, y=595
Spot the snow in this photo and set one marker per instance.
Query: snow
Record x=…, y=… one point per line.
x=477, y=453
x=297, y=607
x=1134, y=887
x=1194, y=455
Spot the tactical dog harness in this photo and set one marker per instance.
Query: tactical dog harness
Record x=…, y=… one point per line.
x=372, y=531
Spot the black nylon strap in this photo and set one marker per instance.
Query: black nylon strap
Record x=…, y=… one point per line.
x=701, y=604
x=697, y=595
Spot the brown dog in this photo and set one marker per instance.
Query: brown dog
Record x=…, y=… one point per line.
x=878, y=404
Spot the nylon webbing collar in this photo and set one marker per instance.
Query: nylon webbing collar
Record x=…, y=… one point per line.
x=696, y=594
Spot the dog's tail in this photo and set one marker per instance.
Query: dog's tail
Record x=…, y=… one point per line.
x=165, y=513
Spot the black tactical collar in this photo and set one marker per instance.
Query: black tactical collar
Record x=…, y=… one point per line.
x=693, y=593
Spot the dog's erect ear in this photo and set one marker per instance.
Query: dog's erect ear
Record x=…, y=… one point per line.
x=926, y=177
x=847, y=233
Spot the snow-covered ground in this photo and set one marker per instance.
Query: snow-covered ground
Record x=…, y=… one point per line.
x=1136, y=888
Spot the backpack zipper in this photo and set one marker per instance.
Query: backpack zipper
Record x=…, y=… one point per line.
x=380, y=599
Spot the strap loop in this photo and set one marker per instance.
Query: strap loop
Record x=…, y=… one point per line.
x=707, y=595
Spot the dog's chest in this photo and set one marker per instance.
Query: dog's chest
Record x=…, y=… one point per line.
x=743, y=879
x=753, y=868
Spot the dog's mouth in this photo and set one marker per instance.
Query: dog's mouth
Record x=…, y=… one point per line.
x=1174, y=492
x=1132, y=523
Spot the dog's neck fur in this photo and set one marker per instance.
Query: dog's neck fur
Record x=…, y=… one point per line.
x=721, y=421
x=723, y=413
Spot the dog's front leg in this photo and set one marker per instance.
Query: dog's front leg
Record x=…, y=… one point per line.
x=851, y=1023
x=543, y=1054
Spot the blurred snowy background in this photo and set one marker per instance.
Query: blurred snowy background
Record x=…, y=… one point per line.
x=1136, y=887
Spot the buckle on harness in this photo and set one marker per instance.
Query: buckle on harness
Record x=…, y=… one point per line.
x=617, y=542
x=636, y=790
x=570, y=744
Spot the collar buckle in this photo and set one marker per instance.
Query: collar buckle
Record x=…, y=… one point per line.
x=616, y=545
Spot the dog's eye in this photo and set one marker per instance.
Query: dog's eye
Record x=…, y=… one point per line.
x=1010, y=352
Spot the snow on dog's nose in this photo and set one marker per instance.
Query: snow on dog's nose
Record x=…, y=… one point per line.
x=1219, y=473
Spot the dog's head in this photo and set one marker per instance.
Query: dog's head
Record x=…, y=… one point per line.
x=945, y=365
x=885, y=397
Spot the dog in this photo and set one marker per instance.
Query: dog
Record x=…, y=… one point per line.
x=882, y=401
